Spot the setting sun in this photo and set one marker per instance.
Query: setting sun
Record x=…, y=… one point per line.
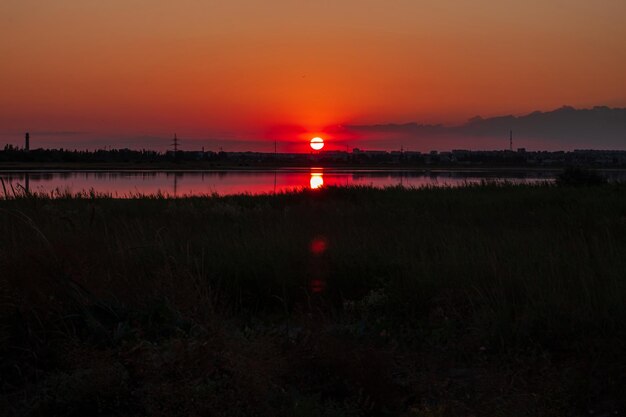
x=317, y=143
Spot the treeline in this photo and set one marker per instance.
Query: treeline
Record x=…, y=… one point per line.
x=521, y=158
x=13, y=154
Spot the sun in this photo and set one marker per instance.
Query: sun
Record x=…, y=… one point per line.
x=317, y=143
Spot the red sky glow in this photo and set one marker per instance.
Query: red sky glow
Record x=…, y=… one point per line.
x=244, y=73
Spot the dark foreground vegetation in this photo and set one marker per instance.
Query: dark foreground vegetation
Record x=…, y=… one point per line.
x=480, y=301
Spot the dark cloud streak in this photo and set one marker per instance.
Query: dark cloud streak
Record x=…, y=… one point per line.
x=566, y=127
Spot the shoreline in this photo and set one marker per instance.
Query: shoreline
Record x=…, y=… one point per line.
x=130, y=167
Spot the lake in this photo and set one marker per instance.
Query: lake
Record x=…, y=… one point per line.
x=185, y=183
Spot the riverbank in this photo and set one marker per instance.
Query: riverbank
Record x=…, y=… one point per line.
x=483, y=300
x=190, y=166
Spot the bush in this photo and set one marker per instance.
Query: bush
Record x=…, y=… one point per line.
x=576, y=176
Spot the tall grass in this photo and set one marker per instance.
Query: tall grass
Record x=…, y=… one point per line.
x=493, y=268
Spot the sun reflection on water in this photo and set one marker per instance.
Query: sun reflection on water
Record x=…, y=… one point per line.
x=317, y=180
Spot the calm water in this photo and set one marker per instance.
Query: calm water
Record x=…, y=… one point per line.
x=181, y=183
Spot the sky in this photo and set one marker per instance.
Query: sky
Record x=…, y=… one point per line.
x=240, y=74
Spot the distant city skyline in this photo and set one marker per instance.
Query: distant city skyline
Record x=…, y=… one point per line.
x=565, y=128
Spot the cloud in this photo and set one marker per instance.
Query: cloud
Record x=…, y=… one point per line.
x=566, y=127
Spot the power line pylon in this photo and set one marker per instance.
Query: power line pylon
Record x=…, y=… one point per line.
x=175, y=144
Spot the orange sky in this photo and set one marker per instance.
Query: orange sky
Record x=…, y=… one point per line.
x=242, y=69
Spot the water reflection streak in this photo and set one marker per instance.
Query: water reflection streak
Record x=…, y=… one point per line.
x=184, y=183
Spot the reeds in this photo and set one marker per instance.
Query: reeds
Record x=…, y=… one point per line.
x=491, y=269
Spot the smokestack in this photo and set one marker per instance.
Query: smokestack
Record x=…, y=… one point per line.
x=27, y=142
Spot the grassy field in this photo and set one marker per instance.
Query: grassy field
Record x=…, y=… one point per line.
x=492, y=300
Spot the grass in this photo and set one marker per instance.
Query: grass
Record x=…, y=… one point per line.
x=482, y=300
